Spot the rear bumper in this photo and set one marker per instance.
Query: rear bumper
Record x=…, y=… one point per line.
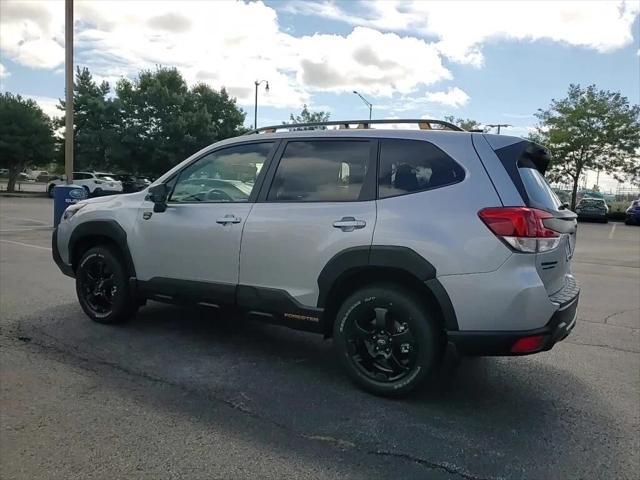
x=592, y=216
x=64, y=267
x=499, y=343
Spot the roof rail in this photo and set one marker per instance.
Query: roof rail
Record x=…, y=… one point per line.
x=423, y=124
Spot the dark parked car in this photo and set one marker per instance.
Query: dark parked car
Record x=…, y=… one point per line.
x=633, y=213
x=592, y=209
x=132, y=183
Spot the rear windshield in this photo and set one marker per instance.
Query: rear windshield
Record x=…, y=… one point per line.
x=526, y=162
x=539, y=191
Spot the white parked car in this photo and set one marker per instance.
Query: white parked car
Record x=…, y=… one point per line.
x=95, y=183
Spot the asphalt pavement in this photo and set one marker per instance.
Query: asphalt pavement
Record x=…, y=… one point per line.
x=181, y=393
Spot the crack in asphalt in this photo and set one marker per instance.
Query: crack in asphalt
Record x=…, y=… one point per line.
x=627, y=350
x=633, y=329
x=606, y=319
x=92, y=364
x=446, y=467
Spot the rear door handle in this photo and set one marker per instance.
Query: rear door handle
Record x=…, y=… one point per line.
x=349, y=224
x=228, y=219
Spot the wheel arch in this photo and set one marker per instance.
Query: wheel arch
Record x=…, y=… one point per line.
x=100, y=232
x=357, y=267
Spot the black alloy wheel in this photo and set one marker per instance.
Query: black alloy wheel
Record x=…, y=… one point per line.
x=102, y=286
x=387, y=340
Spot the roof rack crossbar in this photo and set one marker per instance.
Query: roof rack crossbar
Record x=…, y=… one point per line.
x=423, y=124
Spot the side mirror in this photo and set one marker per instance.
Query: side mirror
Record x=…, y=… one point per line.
x=158, y=195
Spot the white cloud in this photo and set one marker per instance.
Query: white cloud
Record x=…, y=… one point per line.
x=462, y=27
x=4, y=73
x=47, y=104
x=223, y=43
x=453, y=97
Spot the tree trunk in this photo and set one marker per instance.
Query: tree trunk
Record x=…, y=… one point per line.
x=11, y=182
x=574, y=192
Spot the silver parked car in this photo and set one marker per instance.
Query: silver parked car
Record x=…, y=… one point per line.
x=395, y=242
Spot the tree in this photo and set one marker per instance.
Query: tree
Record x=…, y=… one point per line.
x=590, y=129
x=308, y=116
x=95, y=123
x=162, y=121
x=465, y=124
x=26, y=136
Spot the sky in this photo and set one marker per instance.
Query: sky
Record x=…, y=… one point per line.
x=492, y=61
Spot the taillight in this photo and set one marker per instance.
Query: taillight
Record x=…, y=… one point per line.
x=521, y=228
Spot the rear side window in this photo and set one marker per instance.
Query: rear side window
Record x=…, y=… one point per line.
x=320, y=171
x=408, y=166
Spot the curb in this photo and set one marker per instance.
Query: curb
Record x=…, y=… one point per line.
x=24, y=194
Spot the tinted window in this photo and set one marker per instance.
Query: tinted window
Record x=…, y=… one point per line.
x=82, y=176
x=320, y=171
x=408, y=166
x=227, y=175
x=538, y=190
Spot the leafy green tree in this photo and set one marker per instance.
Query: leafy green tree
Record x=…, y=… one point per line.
x=95, y=123
x=308, y=116
x=26, y=136
x=466, y=124
x=162, y=121
x=590, y=129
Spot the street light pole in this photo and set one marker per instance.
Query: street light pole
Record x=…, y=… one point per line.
x=499, y=125
x=255, y=111
x=68, y=69
x=369, y=104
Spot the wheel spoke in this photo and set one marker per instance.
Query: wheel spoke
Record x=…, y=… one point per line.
x=402, y=337
x=360, y=333
x=396, y=365
x=382, y=318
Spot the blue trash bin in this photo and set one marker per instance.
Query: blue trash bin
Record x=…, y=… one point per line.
x=63, y=196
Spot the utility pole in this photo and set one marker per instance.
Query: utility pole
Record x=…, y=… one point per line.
x=498, y=125
x=68, y=77
x=255, y=111
x=369, y=104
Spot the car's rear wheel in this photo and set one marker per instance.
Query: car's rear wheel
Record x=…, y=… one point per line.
x=50, y=190
x=102, y=286
x=387, y=340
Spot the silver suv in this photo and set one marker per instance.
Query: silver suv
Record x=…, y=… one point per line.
x=395, y=242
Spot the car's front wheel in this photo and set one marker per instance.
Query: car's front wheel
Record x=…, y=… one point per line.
x=387, y=340
x=102, y=286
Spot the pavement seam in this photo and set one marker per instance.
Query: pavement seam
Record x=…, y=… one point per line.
x=603, y=346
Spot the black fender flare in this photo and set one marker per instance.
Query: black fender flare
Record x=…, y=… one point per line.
x=386, y=256
x=103, y=228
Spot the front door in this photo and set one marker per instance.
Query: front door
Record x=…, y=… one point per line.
x=197, y=238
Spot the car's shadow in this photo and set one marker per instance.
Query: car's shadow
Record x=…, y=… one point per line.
x=507, y=414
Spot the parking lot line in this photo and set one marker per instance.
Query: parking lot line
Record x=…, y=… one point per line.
x=26, y=245
x=613, y=229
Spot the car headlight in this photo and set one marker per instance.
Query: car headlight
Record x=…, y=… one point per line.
x=72, y=210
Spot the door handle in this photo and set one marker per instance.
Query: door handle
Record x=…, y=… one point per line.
x=228, y=219
x=349, y=224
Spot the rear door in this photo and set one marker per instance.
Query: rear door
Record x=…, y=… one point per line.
x=526, y=163
x=316, y=201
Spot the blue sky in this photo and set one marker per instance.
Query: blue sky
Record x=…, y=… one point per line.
x=496, y=62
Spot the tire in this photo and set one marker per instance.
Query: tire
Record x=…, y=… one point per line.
x=386, y=339
x=102, y=286
x=50, y=190
x=97, y=192
x=86, y=189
